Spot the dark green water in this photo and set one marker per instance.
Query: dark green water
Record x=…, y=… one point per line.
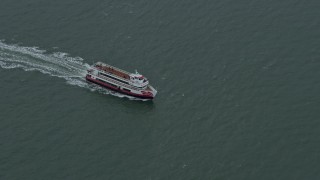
x=238, y=90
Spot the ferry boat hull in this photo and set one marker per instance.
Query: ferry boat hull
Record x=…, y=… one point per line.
x=118, y=80
x=105, y=85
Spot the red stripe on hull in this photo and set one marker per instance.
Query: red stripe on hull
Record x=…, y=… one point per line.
x=117, y=89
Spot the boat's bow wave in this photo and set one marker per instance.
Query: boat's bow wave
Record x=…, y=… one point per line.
x=57, y=64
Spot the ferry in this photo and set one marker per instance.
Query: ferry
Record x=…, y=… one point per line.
x=131, y=84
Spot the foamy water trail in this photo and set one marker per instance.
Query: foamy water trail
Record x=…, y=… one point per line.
x=57, y=64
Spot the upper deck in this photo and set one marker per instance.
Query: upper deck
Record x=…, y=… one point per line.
x=113, y=70
x=123, y=77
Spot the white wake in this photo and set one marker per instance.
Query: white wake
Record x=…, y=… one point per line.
x=57, y=64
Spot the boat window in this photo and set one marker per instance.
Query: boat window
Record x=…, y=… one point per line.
x=101, y=80
x=117, y=79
